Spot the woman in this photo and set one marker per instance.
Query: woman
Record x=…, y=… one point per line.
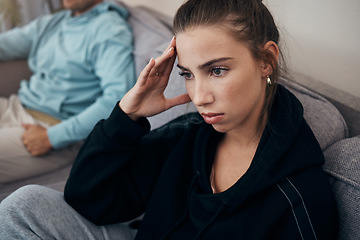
x=246, y=166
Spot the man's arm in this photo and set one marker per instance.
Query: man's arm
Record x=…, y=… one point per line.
x=113, y=63
x=16, y=43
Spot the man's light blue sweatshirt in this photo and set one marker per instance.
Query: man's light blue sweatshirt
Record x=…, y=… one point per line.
x=81, y=67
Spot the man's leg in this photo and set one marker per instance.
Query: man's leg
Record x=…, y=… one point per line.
x=37, y=212
x=16, y=163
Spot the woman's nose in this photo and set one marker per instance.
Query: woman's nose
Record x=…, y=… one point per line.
x=202, y=94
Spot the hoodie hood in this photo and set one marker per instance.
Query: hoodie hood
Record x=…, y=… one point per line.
x=280, y=154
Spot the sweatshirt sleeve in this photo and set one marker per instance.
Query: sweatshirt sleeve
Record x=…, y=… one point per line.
x=16, y=43
x=116, y=169
x=114, y=65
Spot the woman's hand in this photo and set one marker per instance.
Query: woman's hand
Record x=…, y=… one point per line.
x=147, y=98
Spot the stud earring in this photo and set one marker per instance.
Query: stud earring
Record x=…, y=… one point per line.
x=268, y=81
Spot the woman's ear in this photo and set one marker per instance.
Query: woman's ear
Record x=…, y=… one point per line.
x=267, y=66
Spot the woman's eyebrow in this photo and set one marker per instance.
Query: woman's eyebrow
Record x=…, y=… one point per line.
x=183, y=68
x=211, y=62
x=207, y=64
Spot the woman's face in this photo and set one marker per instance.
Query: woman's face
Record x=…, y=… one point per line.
x=222, y=78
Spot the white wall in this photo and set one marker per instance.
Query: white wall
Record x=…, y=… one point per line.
x=322, y=37
x=30, y=9
x=165, y=6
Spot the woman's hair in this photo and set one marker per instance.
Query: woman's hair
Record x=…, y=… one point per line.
x=249, y=21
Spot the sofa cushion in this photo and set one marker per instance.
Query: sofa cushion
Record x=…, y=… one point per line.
x=342, y=163
x=151, y=35
x=323, y=118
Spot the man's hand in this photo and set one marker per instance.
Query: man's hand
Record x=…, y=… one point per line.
x=36, y=140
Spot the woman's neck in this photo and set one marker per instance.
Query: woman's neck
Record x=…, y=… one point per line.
x=246, y=136
x=233, y=157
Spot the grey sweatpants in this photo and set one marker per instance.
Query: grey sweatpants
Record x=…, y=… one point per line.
x=37, y=212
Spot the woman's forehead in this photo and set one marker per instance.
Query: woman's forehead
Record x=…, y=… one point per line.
x=197, y=46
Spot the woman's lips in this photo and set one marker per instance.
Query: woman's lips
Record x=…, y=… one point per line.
x=212, y=118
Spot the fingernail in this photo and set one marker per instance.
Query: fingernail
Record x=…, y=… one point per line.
x=170, y=49
x=150, y=60
x=173, y=38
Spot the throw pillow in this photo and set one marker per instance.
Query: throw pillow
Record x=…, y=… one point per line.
x=342, y=163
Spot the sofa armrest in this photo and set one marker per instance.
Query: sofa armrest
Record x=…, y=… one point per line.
x=11, y=73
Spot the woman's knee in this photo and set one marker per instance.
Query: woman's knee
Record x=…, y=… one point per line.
x=30, y=198
x=29, y=212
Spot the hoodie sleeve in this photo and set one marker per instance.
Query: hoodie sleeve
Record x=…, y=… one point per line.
x=117, y=168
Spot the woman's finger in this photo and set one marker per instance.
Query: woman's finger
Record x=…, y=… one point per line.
x=167, y=54
x=171, y=49
x=146, y=72
x=163, y=61
x=160, y=65
x=169, y=67
x=172, y=44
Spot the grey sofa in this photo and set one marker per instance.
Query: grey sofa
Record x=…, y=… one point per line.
x=332, y=114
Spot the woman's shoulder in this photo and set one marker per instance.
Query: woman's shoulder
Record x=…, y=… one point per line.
x=185, y=121
x=183, y=127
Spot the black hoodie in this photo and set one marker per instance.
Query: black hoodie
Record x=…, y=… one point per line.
x=123, y=170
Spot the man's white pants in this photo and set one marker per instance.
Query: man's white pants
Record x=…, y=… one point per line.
x=16, y=163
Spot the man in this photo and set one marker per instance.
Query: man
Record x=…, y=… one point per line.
x=82, y=63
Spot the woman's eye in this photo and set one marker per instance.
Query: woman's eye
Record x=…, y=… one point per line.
x=218, y=72
x=186, y=75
